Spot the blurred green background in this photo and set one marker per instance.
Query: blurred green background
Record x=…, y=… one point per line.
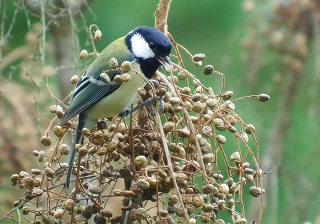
x=251, y=42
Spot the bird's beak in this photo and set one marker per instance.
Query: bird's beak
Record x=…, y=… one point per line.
x=166, y=63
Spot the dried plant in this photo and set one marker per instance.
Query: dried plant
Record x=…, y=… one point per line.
x=169, y=167
x=152, y=167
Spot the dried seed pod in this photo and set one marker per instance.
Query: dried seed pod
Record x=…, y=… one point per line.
x=136, y=199
x=196, y=97
x=232, y=129
x=140, y=161
x=163, y=213
x=263, y=97
x=69, y=204
x=197, y=63
x=25, y=210
x=97, y=34
x=196, y=83
x=58, y=213
x=249, y=129
x=209, y=158
x=182, y=75
x=207, y=208
x=125, y=77
x=172, y=200
x=23, y=174
x=99, y=219
x=54, y=108
x=86, y=132
x=173, y=79
x=221, y=204
x=104, y=77
x=188, y=105
x=211, y=102
x=113, y=63
x=83, y=151
x=181, y=178
x=74, y=79
x=134, y=215
x=235, y=157
x=207, y=188
x=28, y=182
x=241, y=221
x=106, y=213
x=258, y=173
x=182, y=153
x=198, y=57
x=45, y=140
x=219, y=124
x=87, y=212
x=197, y=201
x=219, y=221
x=117, y=79
x=208, y=69
x=49, y=172
x=224, y=188
x=37, y=182
x=221, y=139
x=227, y=95
x=249, y=171
x=126, y=66
x=175, y=100
x=184, y=133
x=60, y=114
x=206, y=131
x=168, y=126
x=95, y=190
x=14, y=179
x=116, y=219
x=230, y=105
x=245, y=137
x=186, y=90
x=152, y=182
x=141, y=91
x=143, y=184
x=173, y=147
x=124, y=172
x=186, y=199
x=83, y=54
x=250, y=178
x=194, y=119
x=161, y=91
x=64, y=149
x=232, y=119
x=36, y=171
x=197, y=107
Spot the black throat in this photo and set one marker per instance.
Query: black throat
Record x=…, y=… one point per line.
x=149, y=66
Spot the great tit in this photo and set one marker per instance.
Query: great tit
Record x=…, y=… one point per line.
x=147, y=49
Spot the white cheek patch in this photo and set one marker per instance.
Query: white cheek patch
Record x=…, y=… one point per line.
x=140, y=47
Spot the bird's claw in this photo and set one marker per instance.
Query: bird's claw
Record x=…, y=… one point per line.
x=125, y=112
x=147, y=102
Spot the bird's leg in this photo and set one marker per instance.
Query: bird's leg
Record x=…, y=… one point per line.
x=147, y=102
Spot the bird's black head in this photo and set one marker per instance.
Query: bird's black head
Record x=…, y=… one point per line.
x=151, y=48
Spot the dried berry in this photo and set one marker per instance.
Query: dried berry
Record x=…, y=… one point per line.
x=84, y=54
x=263, y=97
x=208, y=69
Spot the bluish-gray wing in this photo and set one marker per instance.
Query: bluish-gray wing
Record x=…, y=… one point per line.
x=87, y=94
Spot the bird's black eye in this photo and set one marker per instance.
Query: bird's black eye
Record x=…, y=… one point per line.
x=152, y=46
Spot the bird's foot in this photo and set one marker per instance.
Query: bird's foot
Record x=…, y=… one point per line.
x=147, y=102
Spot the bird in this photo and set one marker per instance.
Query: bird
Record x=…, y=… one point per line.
x=147, y=49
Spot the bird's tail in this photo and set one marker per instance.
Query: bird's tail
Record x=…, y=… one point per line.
x=73, y=152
